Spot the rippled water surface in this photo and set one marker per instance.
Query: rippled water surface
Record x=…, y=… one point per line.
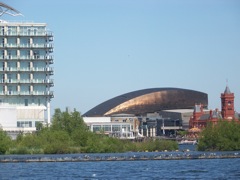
x=149, y=169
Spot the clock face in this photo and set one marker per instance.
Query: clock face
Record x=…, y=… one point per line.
x=229, y=103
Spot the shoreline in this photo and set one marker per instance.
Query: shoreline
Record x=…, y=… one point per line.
x=118, y=157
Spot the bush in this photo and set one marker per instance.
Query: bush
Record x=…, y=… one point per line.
x=56, y=142
x=5, y=142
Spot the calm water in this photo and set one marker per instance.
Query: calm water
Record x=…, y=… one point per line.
x=158, y=169
x=149, y=169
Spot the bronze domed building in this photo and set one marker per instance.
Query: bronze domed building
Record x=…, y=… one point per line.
x=146, y=101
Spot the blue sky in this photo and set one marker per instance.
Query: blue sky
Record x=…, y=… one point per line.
x=105, y=48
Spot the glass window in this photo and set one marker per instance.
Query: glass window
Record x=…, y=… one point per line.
x=107, y=127
x=116, y=128
x=26, y=102
x=96, y=128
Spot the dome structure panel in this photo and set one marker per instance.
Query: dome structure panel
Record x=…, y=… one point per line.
x=149, y=100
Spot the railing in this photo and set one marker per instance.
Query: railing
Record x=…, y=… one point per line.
x=24, y=81
x=26, y=45
x=25, y=93
x=38, y=57
x=26, y=33
x=34, y=69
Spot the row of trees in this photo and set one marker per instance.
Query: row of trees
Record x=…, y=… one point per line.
x=223, y=136
x=69, y=134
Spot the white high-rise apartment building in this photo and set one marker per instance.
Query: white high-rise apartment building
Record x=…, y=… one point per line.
x=25, y=73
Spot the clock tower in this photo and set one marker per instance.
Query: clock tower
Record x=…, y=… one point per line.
x=227, y=99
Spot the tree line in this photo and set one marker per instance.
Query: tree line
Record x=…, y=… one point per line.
x=69, y=134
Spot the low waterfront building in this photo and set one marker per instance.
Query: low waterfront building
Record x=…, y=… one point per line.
x=153, y=124
x=182, y=115
x=122, y=126
x=117, y=130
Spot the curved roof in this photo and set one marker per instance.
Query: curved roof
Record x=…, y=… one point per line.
x=149, y=100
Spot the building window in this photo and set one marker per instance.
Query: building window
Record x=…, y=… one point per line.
x=9, y=55
x=36, y=54
x=107, y=128
x=10, y=78
x=24, y=123
x=29, y=65
x=3, y=30
x=3, y=78
x=10, y=90
x=3, y=52
x=116, y=128
x=29, y=53
x=26, y=102
x=96, y=128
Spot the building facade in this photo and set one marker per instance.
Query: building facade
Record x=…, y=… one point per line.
x=120, y=126
x=200, y=117
x=154, y=124
x=25, y=74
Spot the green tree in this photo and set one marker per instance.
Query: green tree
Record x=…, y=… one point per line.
x=5, y=142
x=224, y=136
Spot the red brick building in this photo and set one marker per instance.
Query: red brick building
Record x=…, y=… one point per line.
x=201, y=117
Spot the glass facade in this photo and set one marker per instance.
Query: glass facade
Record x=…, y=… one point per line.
x=111, y=127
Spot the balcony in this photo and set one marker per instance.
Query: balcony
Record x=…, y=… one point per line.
x=27, y=81
x=32, y=69
x=27, y=46
x=35, y=57
x=27, y=93
x=48, y=34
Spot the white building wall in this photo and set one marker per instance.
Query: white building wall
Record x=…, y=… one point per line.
x=88, y=120
x=8, y=117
